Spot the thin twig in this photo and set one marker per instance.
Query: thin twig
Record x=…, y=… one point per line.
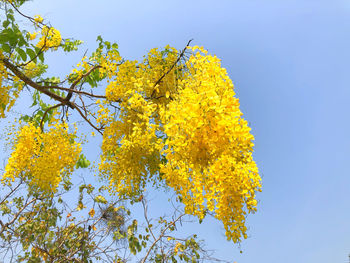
x=45, y=113
x=170, y=69
x=86, y=119
x=78, y=92
x=70, y=93
x=160, y=236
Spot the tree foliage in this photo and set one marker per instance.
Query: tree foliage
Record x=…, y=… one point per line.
x=170, y=120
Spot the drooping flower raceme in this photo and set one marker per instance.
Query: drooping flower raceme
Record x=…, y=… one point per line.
x=42, y=158
x=131, y=142
x=209, y=147
x=183, y=122
x=9, y=90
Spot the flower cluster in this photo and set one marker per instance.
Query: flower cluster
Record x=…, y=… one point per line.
x=10, y=87
x=31, y=70
x=50, y=38
x=209, y=147
x=131, y=142
x=182, y=121
x=42, y=158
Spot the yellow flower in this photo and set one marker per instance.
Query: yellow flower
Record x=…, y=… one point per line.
x=177, y=247
x=92, y=212
x=38, y=19
x=43, y=158
x=31, y=70
x=33, y=35
x=188, y=127
x=209, y=146
x=50, y=38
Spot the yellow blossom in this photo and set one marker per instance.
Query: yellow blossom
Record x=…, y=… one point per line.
x=9, y=92
x=50, y=38
x=183, y=122
x=42, y=158
x=33, y=35
x=31, y=70
x=38, y=19
x=92, y=212
x=177, y=247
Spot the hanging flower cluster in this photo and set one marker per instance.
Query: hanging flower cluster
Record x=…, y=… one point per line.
x=42, y=158
x=209, y=147
x=131, y=145
x=10, y=88
x=50, y=38
x=182, y=122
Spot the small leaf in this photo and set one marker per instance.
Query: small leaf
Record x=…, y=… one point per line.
x=31, y=54
x=5, y=23
x=100, y=199
x=22, y=41
x=25, y=118
x=82, y=162
x=12, y=37
x=41, y=56
x=10, y=16
x=22, y=54
x=6, y=48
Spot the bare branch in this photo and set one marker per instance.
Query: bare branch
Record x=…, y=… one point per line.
x=75, y=106
x=160, y=237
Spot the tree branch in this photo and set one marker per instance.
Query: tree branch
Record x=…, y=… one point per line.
x=70, y=93
x=74, y=106
x=171, y=68
x=78, y=92
x=28, y=81
x=45, y=113
x=160, y=236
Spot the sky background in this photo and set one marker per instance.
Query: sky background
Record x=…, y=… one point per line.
x=290, y=63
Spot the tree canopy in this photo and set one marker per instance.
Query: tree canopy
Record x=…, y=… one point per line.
x=170, y=120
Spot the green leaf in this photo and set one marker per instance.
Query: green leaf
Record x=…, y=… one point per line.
x=31, y=54
x=108, y=44
x=3, y=37
x=82, y=162
x=6, y=48
x=25, y=118
x=12, y=37
x=22, y=41
x=22, y=54
x=70, y=45
x=100, y=199
x=115, y=45
x=41, y=56
x=10, y=16
x=5, y=23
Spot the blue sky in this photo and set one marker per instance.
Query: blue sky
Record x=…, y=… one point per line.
x=290, y=63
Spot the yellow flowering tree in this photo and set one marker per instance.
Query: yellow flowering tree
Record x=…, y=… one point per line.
x=169, y=120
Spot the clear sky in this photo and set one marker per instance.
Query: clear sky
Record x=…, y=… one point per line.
x=290, y=63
